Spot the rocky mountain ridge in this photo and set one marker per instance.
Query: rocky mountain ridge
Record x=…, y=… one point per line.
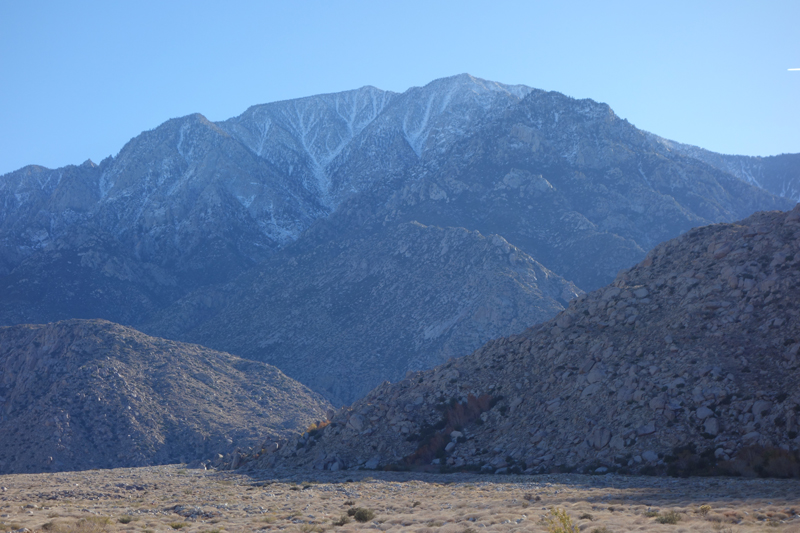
x=83, y=394
x=778, y=174
x=688, y=360
x=163, y=235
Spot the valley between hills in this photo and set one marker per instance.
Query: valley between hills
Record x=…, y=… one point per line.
x=457, y=307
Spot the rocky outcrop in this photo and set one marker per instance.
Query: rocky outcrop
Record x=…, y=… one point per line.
x=690, y=355
x=86, y=394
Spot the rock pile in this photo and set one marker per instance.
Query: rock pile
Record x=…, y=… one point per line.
x=83, y=394
x=691, y=355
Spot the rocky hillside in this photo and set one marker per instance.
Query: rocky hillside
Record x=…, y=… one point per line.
x=581, y=210
x=689, y=358
x=162, y=235
x=85, y=394
x=346, y=315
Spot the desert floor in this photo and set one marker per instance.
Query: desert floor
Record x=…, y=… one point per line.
x=169, y=498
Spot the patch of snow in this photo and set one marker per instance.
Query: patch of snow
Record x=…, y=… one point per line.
x=644, y=177
x=246, y=201
x=416, y=136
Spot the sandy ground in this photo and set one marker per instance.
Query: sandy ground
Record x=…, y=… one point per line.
x=170, y=498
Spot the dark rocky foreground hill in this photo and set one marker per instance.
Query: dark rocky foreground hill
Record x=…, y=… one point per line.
x=688, y=359
x=83, y=394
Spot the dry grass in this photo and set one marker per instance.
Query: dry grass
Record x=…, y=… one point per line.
x=162, y=499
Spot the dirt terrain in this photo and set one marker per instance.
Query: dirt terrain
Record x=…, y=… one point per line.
x=169, y=498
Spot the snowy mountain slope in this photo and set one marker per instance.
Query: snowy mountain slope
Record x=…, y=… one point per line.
x=259, y=179
x=303, y=137
x=339, y=144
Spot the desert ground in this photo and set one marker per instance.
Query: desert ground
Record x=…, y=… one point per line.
x=169, y=498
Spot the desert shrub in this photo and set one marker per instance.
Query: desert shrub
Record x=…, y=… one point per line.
x=763, y=461
x=178, y=525
x=344, y=519
x=585, y=516
x=601, y=529
x=704, y=509
x=650, y=513
x=125, y=519
x=317, y=427
x=670, y=517
x=91, y=524
x=456, y=415
x=686, y=461
x=362, y=514
x=559, y=521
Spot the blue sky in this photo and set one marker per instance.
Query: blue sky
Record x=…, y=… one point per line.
x=80, y=79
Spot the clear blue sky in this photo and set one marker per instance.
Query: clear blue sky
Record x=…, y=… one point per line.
x=80, y=79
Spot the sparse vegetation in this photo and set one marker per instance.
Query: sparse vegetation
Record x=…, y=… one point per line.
x=344, y=519
x=361, y=514
x=456, y=415
x=91, y=524
x=670, y=517
x=443, y=503
x=559, y=521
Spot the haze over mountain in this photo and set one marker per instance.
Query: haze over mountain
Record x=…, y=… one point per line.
x=180, y=231
x=83, y=394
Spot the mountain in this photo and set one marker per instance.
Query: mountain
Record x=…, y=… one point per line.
x=348, y=314
x=688, y=362
x=83, y=394
x=194, y=217
x=779, y=174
